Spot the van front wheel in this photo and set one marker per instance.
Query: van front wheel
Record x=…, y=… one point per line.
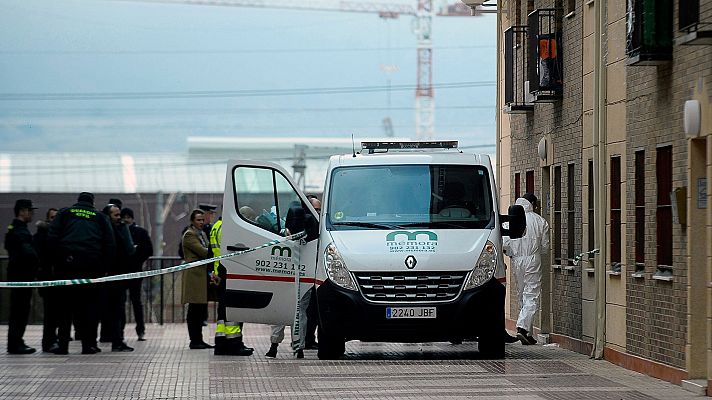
x=331, y=346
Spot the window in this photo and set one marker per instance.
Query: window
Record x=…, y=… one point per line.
x=570, y=6
x=688, y=14
x=530, y=182
x=571, y=213
x=517, y=186
x=557, y=215
x=263, y=197
x=412, y=196
x=639, y=211
x=663, y=174
x=615, y=209
x=591, y=215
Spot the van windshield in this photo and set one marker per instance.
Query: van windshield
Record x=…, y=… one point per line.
x=401, y=196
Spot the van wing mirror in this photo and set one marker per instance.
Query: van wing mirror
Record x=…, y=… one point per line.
x=517, y=222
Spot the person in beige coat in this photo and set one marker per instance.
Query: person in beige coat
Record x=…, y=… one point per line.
x=195, y=246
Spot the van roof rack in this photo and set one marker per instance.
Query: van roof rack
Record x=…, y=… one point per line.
x=436, y=144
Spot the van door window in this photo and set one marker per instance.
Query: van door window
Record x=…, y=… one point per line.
x=263, y=197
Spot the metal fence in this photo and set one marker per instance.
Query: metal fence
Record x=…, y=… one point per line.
x=161, y=296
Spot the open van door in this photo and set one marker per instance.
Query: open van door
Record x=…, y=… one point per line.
x=256, y=209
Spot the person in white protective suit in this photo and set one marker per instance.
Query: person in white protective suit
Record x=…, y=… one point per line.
x=526, y=263
x=298, y=340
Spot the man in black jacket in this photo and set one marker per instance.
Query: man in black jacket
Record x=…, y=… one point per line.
x=115, y=316
x=22, y=267
x=82, y=244
x=144, y=250
x=46, y=273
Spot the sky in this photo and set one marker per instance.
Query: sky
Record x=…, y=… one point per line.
x=142, y=77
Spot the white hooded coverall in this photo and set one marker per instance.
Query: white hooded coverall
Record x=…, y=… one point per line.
x=526, y=263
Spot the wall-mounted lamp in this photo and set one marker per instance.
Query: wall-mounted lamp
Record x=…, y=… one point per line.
x=473, y=3
x=541, y=149
x=692, y=118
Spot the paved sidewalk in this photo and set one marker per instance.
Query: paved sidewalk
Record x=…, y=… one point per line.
x=164, y=368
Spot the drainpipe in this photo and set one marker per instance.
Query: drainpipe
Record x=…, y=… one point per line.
x=600, y=156
x=497, y=116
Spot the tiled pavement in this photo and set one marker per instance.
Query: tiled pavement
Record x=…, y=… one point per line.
x=164, y=368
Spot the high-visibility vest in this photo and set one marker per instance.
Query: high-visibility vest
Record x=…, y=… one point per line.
x=215, y=239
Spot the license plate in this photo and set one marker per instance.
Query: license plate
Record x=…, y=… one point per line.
x=410, y=312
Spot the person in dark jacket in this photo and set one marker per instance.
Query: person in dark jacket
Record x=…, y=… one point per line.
x=49, y=294
x=81, y=241
x=115, y=313
x=22, y=267
x=144, y=250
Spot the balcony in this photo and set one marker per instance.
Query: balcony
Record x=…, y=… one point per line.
x=545, y=68
x=649, y=39
x=517, y=98
x=689, y=23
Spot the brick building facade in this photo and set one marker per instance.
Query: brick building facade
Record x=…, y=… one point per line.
x=598, y=103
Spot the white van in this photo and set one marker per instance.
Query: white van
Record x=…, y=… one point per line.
x=407, y=249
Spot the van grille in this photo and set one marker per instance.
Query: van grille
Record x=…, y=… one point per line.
x=411, y=287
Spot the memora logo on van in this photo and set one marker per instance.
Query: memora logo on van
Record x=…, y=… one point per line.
x=281, y=253
x=412, y=241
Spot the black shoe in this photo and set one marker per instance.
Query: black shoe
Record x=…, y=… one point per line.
x=121, y=347
x=141, y=337
x=59, y=350
x=51, y=348
x=91, y=350
x=105, y=340
x=244, y=351
x=524, y=337
x=22, y=349
x=300, y=353
x=200, y=346
x=272, y=351
x=509, y=338
x=312, y=346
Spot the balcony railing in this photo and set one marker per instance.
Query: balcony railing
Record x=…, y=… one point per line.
x=516, y=89
x=545, y=69
x=689, y=22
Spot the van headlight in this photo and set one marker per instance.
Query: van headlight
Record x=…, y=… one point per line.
x=336, y=268
x=484, y=268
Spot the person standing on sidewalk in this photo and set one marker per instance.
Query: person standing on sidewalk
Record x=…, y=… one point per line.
x=195, y=280
x=526, y=260
x=116, y=300
x=81, y=242
x=22, y=267
x=48, y=294
x=144, y=250
x=228, y=334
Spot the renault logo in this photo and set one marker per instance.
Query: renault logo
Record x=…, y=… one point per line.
x=410, y=262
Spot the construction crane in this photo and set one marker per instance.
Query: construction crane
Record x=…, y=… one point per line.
x=423, y=15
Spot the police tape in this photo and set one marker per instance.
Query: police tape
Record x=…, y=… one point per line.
x=144, y=274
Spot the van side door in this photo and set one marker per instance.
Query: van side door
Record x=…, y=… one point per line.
x=256, y=210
